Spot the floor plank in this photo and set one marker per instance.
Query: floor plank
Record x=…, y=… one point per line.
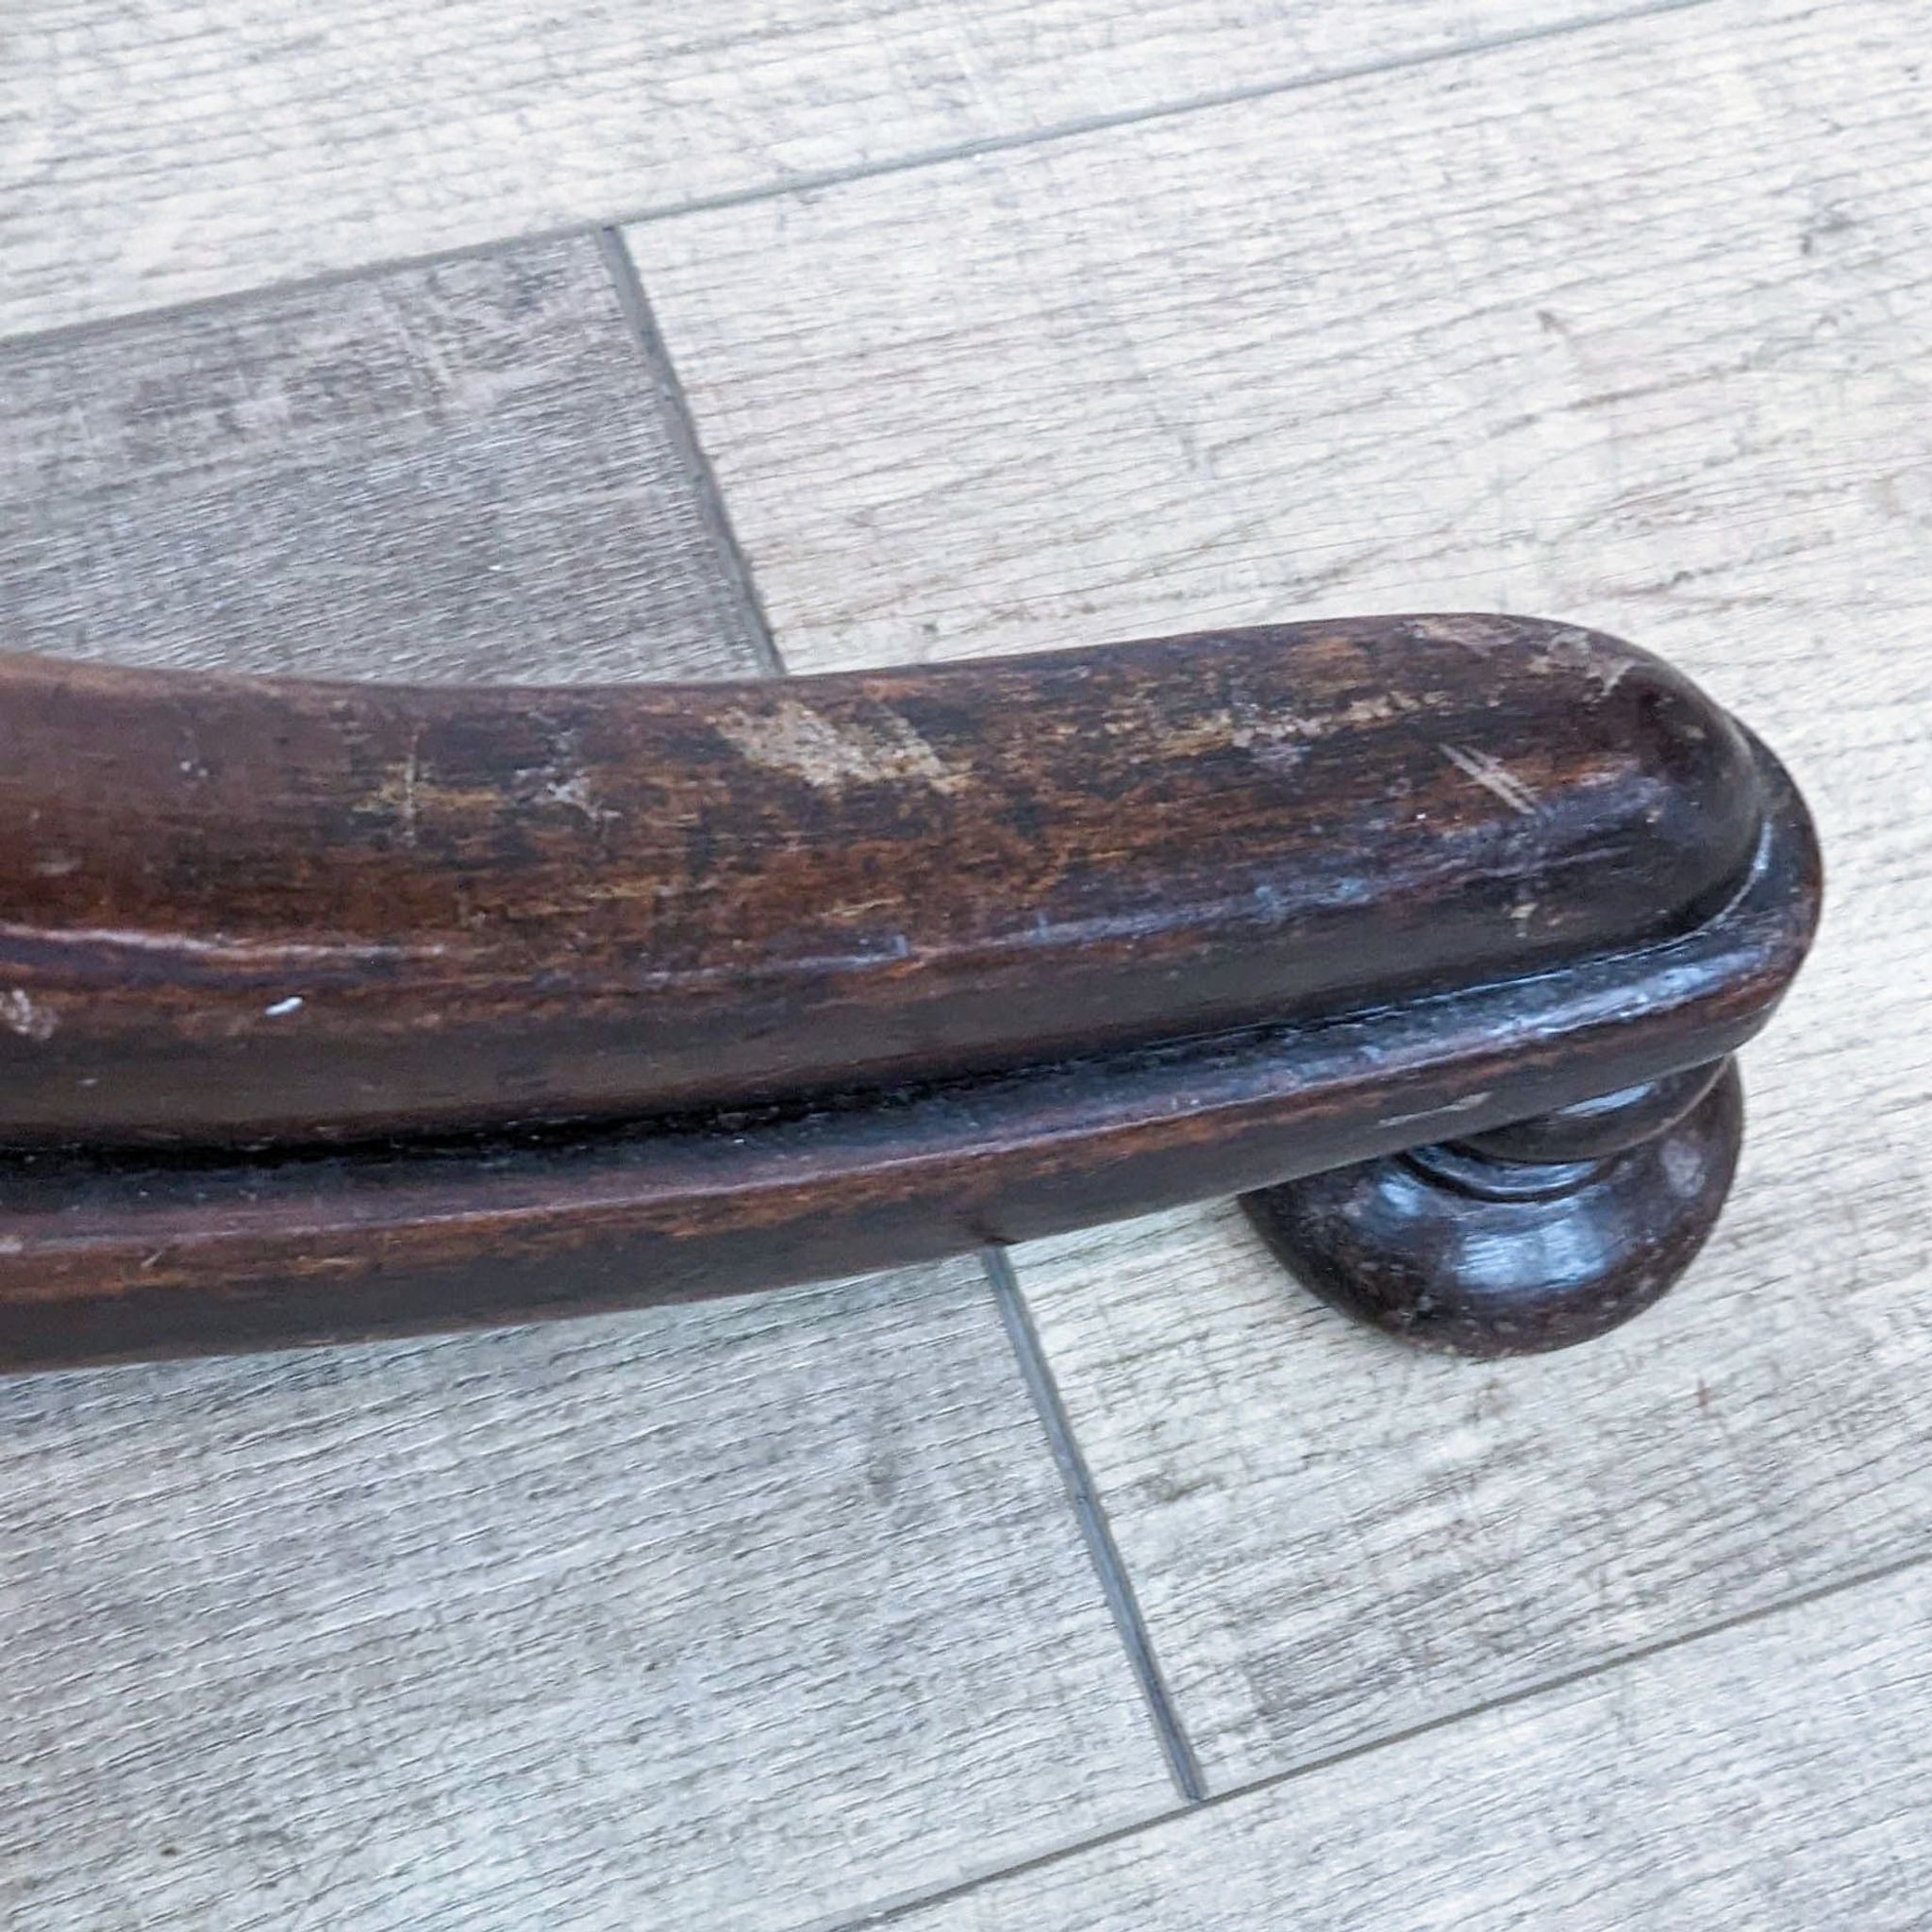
x=1772, y=1775
x=163, y=154
x=463, y=470
x=1538, y=327
x=1629, y=327
x=752, y=1614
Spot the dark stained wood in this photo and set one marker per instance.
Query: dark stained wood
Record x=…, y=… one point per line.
x=243, y=910
x=1603, y=1124
x=1404, y=1036
x=1473, y=1253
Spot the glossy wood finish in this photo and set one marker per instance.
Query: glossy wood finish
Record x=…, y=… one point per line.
x=1611, y=883
x=240, y=909
x=1605, y=1124
x=1473, y=1253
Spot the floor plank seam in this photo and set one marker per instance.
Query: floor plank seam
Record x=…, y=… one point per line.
x=1075, y=127
x=807, y=182
x=906, y=1908
x=683, y=431
x=1096, y=1532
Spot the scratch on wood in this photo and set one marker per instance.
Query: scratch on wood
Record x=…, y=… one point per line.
x=1463, y=1105
x=1594, y=657
x=1480, y=635
x=1492, y=776
x=411, y=769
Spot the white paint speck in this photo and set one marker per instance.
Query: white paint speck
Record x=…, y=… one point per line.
x=1682, y=1170
x=292, y=1005
x=575, y=793
x=21, y=1014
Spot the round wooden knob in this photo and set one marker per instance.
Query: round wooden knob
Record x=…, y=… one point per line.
x=1456, y=1249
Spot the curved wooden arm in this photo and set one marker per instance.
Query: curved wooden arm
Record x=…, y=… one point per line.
x=343, y=1009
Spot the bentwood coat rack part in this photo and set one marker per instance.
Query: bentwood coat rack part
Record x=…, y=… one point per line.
x=337, y=1010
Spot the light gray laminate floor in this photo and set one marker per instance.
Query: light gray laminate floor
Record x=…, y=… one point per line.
x=1122, y=1587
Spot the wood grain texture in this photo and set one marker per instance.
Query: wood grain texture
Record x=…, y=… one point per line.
x=744, y=1617
x=110, y=1258
x=242, y=907
x=1628, y=329
x=750, y=1615
x=458, y=471
x=159, y=156
x=1626, y=321
x=1771, y=1775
